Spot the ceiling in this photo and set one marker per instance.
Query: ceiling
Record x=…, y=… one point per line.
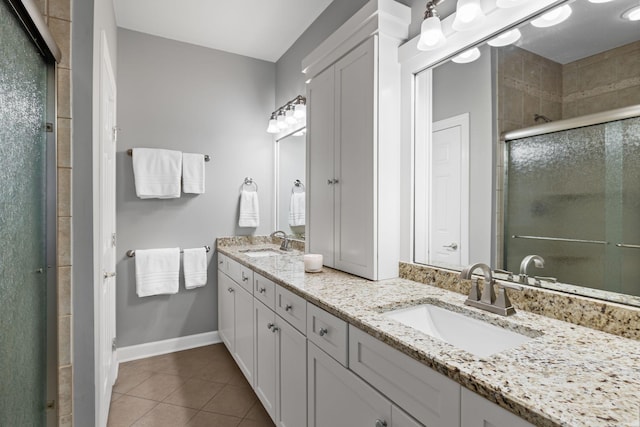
x=255, y=28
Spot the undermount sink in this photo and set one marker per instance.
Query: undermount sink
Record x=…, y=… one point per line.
x=466, y=333
x=259, y=253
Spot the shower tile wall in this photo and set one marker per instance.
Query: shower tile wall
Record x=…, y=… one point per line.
x=602, y=82
x=57, y=14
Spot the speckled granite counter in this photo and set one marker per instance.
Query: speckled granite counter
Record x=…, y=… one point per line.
x=568, y=376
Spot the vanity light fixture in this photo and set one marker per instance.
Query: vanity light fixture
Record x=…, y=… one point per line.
x=469, y=15
x=600, y=1
x=505, y=4
x=431, y=35
x=467, y=56
x=553, y=17
x=289, y=117
x=505, y=38
x=632, y=14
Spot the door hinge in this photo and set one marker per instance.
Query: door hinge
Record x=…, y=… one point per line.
x=113, y=344
x=113, y=240
x=48, y=127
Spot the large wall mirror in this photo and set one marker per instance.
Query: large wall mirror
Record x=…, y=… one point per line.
x=290, y=184
x=530, y=145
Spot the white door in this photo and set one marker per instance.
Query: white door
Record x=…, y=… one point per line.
x=449, y=192
x=105, y=309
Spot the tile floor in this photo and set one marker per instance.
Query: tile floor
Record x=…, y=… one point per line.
x=202, y=387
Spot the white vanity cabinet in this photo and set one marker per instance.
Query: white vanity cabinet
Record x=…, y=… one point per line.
x=353, y=160
x=280, y=365
x=479, y=412
x=235, y=318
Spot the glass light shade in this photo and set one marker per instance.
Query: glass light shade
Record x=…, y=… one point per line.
x=506, y=38
x=467, y=56
x=431, y=35
x=632, y=14
x=553, y=17
x=505, y=4
x=289, y=118
x=282, y=123
x=273, y=126
x=300, y=111
x=469, y=15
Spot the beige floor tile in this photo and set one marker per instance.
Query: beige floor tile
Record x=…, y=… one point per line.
x=232, y=400
x=194, y=393
x=258, y=413
x=129, y=379
x=157, y=387
x=209, y=419
x=252, y=423
x=127, y=410
x=165, y=415
x=219, y=373
x=115, y=396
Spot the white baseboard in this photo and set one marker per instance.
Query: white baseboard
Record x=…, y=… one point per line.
x=140, y=351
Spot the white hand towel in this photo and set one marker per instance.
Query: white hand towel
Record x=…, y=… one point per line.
x=296, y=209
x=249, y=211
x=193, y=173
x=195, y=267
x=157, y=271
x=157, y=173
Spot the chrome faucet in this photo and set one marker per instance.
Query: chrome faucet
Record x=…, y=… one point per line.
x=488, y=300
x=538, y=262
x=284, y=246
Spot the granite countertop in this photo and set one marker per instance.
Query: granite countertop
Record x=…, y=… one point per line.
x=568, y=375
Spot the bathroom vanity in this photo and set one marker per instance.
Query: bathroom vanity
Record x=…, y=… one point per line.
x=320, y=349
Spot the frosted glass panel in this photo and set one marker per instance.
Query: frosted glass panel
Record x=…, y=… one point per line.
x=579, y=184
x=22, y=227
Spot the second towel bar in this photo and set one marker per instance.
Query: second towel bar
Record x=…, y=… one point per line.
x=131, y=253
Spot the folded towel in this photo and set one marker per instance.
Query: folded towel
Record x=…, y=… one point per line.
x=249, y=211
x=193, y=173
x=296, y=209
x=157, y=173
x=157, y=271
x=195, y=267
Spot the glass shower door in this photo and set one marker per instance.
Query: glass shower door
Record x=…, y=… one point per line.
x=23, y=308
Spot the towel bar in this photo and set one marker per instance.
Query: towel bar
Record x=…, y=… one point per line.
x=130, y=153
x=131, y=253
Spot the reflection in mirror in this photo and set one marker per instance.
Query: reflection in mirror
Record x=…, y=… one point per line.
x=290, y=194
x=590, y=63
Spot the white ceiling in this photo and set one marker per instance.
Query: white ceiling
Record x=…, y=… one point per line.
x=262, y=29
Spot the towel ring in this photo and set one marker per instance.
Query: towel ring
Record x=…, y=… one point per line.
x=298, y=184
x=249, y=182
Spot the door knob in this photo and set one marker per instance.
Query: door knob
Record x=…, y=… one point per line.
x=453, y=246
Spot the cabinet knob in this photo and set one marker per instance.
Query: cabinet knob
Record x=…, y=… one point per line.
x=381, y=423
x=262, y=290
x=275, y=329
x=288, y=307
x=230, y=289
x=270, y=325
x=329, y=181
x=220, y=262
x=323, y=332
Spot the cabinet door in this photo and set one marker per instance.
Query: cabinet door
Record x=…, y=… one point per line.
x=320, y=168
x=399, y=418
x=479, y=412
x=265, y=354
x=292, y=387
x=243, y=351
x=226, y=309
x=337, y=397
x=355, y=160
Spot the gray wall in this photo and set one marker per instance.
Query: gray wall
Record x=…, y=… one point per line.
x=90, y=18
x=179, y=96
x=458, y=89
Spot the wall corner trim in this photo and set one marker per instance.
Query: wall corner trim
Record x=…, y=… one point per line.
x=156, y=348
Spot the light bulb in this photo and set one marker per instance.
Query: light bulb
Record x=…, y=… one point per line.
x=300, y=111
x=505, y=4
x=282, y=123
x=505, y=39
x=467, y=56
x=553, y=17
x=273, y=126
x=469, y=15
x=632, y=14
x=431, y=35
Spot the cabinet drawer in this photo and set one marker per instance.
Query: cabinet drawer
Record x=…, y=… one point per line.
x=241, y=275
x=328, y=332
x=223, y=263
x=291, y=308
x=264, y=290
x=427, y=395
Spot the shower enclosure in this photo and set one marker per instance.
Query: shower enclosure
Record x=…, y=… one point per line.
x=573, y=197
